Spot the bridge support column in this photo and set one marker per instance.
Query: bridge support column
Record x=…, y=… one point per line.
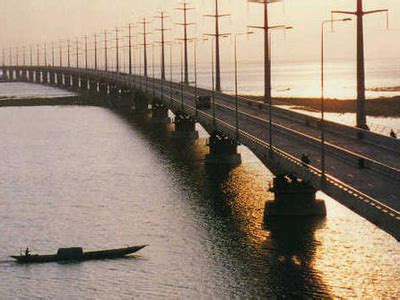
x=293, y=197
x=93, y=86
x=17, y=74
x=67, y=81
x=75, y=82
x=114, y=90
x=59, y=79
x=52, y=78
x=159, y=113
x=6, y=76
x=45, y=77
x=185, y=126
x=141, y=102
x=103, y=88
x=12, y=75
x=30, y=76
x=84, y=84
x=223, y=150
x=24, y=76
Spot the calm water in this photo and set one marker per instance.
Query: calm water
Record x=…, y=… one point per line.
x=301, y=79
x=90, y=177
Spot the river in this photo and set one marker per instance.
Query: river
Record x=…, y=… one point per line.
x=92, y=177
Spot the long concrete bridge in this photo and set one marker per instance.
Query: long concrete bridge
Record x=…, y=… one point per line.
x=362, y=168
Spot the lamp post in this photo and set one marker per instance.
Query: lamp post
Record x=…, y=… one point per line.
x=323, y=93
x=269, y=51
x=236, y=83
x=170, y=72
x=196, y=91
x=213, y=74
x=181, y=83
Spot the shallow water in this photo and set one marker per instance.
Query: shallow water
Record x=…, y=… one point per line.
x=87, y=176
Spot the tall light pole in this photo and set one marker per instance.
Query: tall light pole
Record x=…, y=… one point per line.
x=145, y=44
x=23, y=55
x=77, y=53
x=267, y=59
x=17, y=58
x=45, y=54
x=37, y=55
x=153, y=71
x=52, y=54
x=170, y=72
x=217, y=35
x=196, y=92
x=181, y=83
x=236, y=83
x=117, y=48
x=69, y=53
x=86, y=52
x=359, y=13
x=30, y=55
x=323, y=93
x=105, y=51
x=162, y=30
x=130, y=47
x=185, y=8
x=60, y=54
x=95, y=51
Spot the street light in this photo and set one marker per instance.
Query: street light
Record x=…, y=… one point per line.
x=213, y=74
x=323, y=93
x=236, y=82
x=270, y=29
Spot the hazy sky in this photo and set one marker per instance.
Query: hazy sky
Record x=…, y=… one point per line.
x=26, y=22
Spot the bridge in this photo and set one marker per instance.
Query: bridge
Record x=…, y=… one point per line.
x=362, y=168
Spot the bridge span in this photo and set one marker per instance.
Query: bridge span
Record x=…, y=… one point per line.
x=362, y=168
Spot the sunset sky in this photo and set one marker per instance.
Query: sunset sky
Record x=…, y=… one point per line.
x=30, y=22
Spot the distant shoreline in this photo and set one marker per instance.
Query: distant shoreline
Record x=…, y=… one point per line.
x=379, y=107
x=71, y=100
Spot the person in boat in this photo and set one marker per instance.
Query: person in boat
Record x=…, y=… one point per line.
x=305, y=159
x=27, y=252
x=393, y=134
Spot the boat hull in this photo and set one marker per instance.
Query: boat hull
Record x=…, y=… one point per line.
x=91, y=255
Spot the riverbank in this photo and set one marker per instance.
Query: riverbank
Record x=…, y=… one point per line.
x=72, y=100
x=380, y=107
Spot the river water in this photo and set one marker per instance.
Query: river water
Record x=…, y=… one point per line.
x=91, y=177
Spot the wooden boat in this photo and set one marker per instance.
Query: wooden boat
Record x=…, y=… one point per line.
x=77, y=254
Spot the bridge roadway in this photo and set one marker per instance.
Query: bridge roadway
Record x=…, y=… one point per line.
x=373, y=191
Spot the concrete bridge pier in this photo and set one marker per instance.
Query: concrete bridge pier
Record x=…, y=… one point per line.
x=141, y=102
x=24, y=75
x=30, y=75
x=18, y=76
x=67, y=81
x=45, y=77
x=11, y=76
x=93, y=86
x=84, y=84
x=59, y=79
x=52, y=78
x=185, y=126
x=114, y=90
x=6, y=75
x=159, y=112
x=223, y=150
x=293, y=197
x=75, y=82
x=103, y=88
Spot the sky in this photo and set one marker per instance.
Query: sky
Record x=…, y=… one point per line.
x=28, y=22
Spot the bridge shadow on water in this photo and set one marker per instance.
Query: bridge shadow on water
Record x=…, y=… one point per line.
x=275, y=259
